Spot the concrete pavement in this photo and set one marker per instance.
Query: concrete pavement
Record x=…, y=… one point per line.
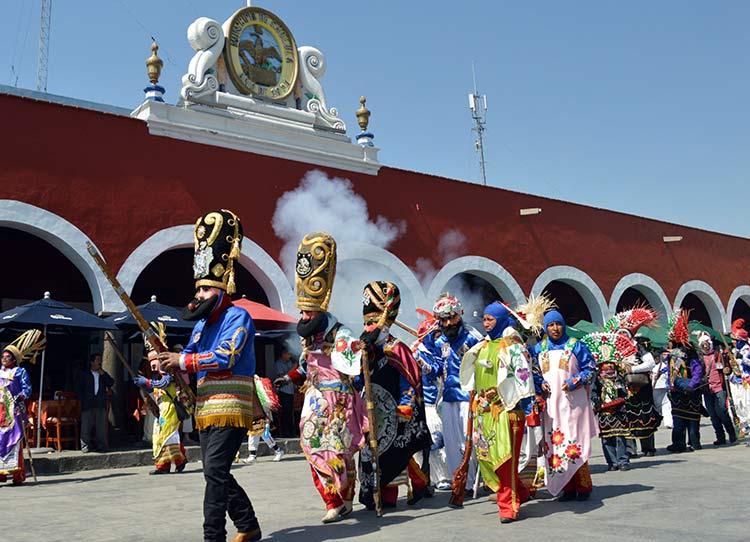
x=693, y=496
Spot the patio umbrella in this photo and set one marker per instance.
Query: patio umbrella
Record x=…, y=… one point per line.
x=260, y=312
x=48, y=312
x=581, y=329
x=152, y=312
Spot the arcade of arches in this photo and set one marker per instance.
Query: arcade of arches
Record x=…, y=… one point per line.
x=569, y=302
x=632, y=298
x=698, y=310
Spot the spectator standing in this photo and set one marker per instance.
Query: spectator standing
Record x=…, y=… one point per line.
x=282, y=366
x=94, y=386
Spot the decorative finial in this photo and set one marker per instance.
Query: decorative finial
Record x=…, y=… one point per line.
x=363, y=114
x=364, y=138
x=153, y=299
x=47, y=295
x=154, y=64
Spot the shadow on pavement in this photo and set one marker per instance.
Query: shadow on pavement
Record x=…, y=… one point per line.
x=638, y=464
x=549, y=506
x=58, y=480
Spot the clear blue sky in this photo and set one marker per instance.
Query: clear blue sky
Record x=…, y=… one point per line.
x=637, y=106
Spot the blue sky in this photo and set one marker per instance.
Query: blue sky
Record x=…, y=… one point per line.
x=637, y=106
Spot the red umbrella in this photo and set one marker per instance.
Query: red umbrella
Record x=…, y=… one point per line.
x=260, y=312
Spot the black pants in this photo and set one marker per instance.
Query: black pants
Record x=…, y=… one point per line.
x=716, y=404
x=286, y=421
x=219, y=446
x=680, y=427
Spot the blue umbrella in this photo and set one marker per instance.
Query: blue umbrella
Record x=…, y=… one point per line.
x=152, y=312
x=48, y=312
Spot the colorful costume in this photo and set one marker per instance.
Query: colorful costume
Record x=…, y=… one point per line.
x=221, y=352
x=432, y=383
x=15, y=389
x=685, y=382
x=499, y=370
x=449, y=349
x=396, y=380
x=739, y=382
x=269, y=403
x=715, y=391
x=333, y=420
x=569, y=423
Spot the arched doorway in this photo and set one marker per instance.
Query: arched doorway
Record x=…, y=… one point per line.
x=632, y=298
x=50, y=271
x=698, y=310
x=475, y=293
x=169, y=277
x=569, y=302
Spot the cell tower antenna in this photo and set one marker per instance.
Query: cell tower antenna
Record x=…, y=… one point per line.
x=478, y=108
x=44, y=28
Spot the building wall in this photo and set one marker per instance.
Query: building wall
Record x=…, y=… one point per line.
x=105, y=176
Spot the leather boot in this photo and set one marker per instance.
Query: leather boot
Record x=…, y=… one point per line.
x=250, y=536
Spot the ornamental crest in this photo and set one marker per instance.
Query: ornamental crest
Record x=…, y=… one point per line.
x=304, y=264
x=202, y=261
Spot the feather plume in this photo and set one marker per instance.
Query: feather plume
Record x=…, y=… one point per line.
x=631, y=320
x=531, y=313
x=27, y=346
x=267, y=397
x=611, y=347
x=678, y=327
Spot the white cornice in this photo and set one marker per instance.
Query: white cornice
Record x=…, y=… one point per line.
x=292, y=136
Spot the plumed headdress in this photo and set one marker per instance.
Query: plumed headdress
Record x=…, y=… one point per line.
x=631, y=320
x=704, y=340
x=447, y=305
x=381, y=302
x=314, y=271
x=678, y=327
x=218, y=242
x=530, y=314
x=27, y=346
x=611, y=347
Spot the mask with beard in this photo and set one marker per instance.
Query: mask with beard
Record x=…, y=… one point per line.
x=198, y=309
x=317, y=324
x=452, y=331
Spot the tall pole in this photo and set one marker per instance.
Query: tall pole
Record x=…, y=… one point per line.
x=478, y=107
x=39, y=403
x=44, y=29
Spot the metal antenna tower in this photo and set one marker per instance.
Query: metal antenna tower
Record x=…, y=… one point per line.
x=478, y=107
x=44, y=28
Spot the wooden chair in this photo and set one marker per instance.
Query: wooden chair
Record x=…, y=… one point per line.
x=61, y=419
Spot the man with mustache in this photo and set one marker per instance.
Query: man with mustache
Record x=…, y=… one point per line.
x=221, y=352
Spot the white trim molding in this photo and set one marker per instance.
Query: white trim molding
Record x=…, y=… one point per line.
x=708, y=297
x=585, y=286
x=253, y=258
x=647, y=286
x=491, y=271
x=741, y=292
x=66, y=238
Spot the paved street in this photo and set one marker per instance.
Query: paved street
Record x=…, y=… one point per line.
x=698, y=496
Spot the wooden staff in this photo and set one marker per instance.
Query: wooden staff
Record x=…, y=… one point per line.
x=28, y=452
x=373, y=433
x=735, y=368
x=149, y=335
x=152, y=406
x=458, y=487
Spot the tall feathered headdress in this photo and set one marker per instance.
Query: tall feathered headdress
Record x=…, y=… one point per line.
x=531, y=313
x=611, y=347
x=27, y=346
x=631, y=320
x=738, y=329
x=678, y=327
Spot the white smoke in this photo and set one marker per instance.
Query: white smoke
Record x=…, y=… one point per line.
x=449, y=247
x=321, y=203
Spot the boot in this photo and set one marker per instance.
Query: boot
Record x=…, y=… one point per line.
x=250, y=536
x=333, y=515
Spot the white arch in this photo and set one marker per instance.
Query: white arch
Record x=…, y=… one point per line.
x=66, y=238
x=647, y=286
x=253, y=258
x=491, y=271
x=583, y=284
x=708, y=297
x=363, y=251
x=741, y=292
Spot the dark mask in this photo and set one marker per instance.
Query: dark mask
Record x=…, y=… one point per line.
x=452, y=331
x=198, y=309
x=308, y=328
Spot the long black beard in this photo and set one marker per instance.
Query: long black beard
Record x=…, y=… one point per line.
x=198, y=309
x=452, y=331
x=308, y=328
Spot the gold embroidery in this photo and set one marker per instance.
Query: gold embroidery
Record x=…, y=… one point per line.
x=230, y=348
